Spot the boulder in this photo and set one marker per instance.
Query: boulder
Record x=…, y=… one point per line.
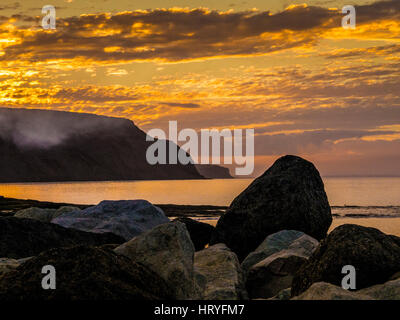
x=43, y=214
x=294, y=240
x=273, y=274
x=168, y=251
x=221, y=269
x=200, y=232
x=84, y=273
x=288, y=196
x=126, y=218
x=327, y=291
x=375, y=256
x=20, y=238
x=387, y=291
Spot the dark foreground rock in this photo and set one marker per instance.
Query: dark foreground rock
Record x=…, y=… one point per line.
x=126, y=218
x=387, y=291
x=200, y=232
x=224, y=279
x=84, y=273
x=168, y=251
x=20, y=238
x=288, y=196
x=375, y=256
x=327, y=291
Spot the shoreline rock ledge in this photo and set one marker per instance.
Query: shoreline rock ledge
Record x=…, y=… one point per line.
x=290, y=195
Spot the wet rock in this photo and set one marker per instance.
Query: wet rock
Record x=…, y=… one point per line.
x=288, y=196
x=221, y=269
x=375, y=256
x=168, y=251
x=20, y=238
x=84, y=273
x=200, y=232
x=126, y=218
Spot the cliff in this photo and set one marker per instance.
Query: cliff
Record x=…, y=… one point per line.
x=50, y=146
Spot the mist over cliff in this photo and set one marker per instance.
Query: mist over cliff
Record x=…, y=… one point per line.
x=46, y=146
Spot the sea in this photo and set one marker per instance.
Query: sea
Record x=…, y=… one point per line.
x=368, y=201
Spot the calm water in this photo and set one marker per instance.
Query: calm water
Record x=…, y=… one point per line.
x=364, y=201
x=363, y=192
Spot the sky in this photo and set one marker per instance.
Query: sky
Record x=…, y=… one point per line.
x=285, y=68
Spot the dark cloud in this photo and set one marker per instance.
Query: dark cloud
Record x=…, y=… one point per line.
x=182, y=105
x=178, y=34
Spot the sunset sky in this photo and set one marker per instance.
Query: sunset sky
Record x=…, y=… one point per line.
x=286, y=68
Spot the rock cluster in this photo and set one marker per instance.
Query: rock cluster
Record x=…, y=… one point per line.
x=271, y=244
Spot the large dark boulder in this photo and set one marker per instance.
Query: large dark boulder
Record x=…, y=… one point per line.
x=84, y=273
x=20, y=237
x=199, y=232
x=375, y=256
x=288, y=196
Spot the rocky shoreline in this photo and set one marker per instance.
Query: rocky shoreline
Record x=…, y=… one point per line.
x=271, y=243
x=10, y=206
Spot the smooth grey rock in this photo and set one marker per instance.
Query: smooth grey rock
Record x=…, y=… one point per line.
x=168, y=251
x=126, y=218
x=327, y=291
x=273, y=274
x=221, y=269
x=296, y=241
x=290, y=195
